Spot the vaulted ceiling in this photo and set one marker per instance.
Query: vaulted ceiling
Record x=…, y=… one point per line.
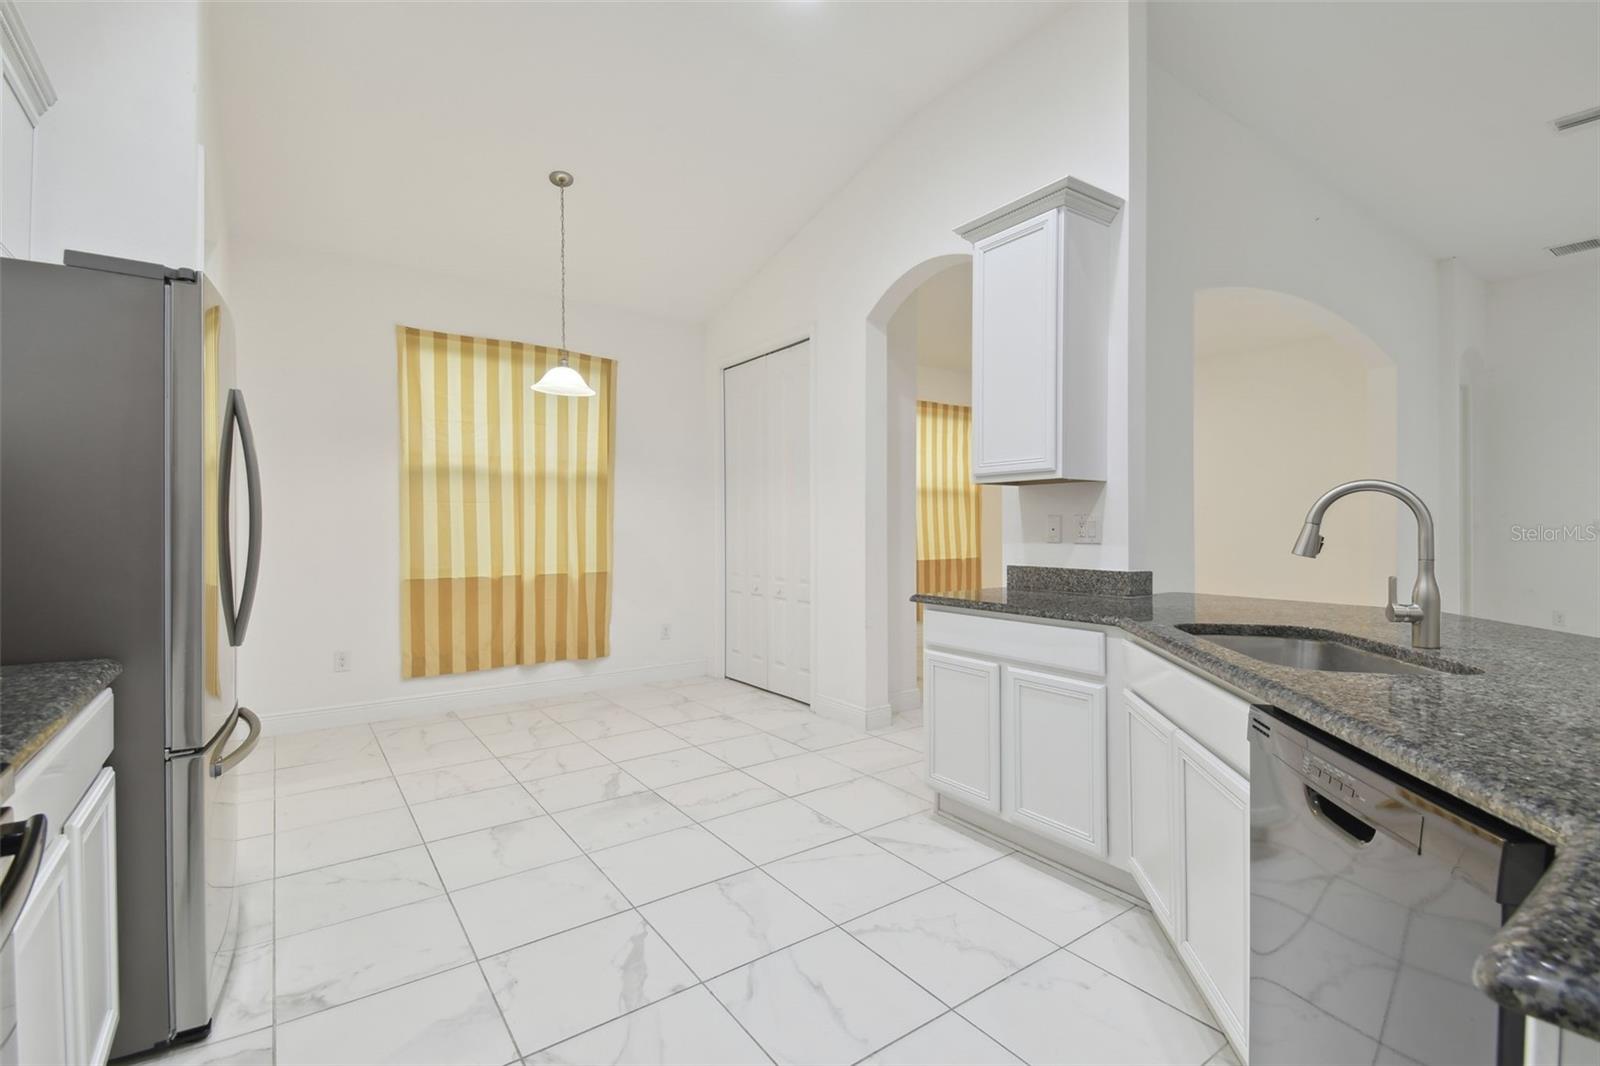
x=1435, y=117
x=703, y=136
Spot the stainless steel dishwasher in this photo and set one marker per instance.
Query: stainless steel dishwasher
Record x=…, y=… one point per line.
x=1371, y=896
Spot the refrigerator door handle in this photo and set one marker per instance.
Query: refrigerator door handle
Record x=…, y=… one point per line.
x=220, y=763
x=237, y=617
x=25, y=842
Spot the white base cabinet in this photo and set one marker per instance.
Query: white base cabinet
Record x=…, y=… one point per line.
x=1053, y=765
x=1021, y=737
x=91, y=835
x=1213, y=884
x=1189, y=850
x=961, y=710
x=64, y=948
x=1152, y=846
x=44, y=955
x=61, y=959
x=1018, y=739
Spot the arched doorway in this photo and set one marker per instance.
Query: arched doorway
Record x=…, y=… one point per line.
x=924, y=325
x=1289, y=400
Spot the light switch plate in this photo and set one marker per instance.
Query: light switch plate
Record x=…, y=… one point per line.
x=1052, y=530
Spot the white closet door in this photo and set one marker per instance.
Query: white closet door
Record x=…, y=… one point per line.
x=745, y=476
x=788, y=425
x=767, y=504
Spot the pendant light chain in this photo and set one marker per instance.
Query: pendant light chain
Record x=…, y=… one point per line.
x=562, y=379
x=563, y=191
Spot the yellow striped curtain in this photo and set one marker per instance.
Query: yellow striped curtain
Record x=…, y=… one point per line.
x=505, y=504
x=948, y=503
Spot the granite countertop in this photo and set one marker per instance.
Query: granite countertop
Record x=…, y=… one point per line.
x=38, y=699
x=1520, y=740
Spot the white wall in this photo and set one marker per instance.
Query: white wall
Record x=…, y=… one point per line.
x=117, y=167
x=1274, y=428
x=1056, y=104
x=1228, y=209
x=1536, y=452
x=317, y=363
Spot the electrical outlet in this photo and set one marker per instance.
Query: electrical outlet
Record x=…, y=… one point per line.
x=1558, y=619
x=1052, y=529
x=666, y=631
x=341, y=662
x=1086, y=529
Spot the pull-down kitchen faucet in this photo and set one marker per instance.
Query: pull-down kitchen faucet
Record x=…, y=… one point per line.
x=1423, y=610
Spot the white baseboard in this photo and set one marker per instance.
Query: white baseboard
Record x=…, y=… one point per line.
x=853, y=714
x=307, y=718
x=906, y=700
x=1099, y=871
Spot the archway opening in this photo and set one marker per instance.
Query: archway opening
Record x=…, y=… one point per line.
x=1289, y=400
x=942, y=530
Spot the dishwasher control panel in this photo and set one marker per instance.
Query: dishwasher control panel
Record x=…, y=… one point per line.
x=1320, y=771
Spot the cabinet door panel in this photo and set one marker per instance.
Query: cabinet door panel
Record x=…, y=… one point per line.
x=1055, y=757
x=91, y=835
x=961, y=701
x=46, y=969
x=1152, y=844
x=1016, y=293
x=1214, y=881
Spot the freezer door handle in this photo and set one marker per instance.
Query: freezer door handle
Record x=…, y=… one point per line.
x=24, y=841
x=220, y=763
x=238, y=617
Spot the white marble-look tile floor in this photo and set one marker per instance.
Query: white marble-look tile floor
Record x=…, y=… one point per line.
x=687, y=872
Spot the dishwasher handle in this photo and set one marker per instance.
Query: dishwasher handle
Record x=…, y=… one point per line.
x=1330, y=812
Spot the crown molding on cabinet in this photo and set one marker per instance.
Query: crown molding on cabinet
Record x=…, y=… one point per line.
x=23, y=68
x=1076, y=196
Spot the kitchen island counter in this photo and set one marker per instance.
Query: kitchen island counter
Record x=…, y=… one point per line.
x=1518, y=737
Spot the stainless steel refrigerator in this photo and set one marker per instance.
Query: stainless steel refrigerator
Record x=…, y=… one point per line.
x=125, y=533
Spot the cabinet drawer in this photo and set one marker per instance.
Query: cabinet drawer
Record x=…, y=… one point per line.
x=1219, y=720
x=1081, y=651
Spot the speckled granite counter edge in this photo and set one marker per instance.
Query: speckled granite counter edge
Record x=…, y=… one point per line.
x=37, y=700
x=1545, y=962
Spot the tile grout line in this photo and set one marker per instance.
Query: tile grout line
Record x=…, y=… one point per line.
x=753, y=866
x=857, y=775
x=460, y=925
x=634, y=908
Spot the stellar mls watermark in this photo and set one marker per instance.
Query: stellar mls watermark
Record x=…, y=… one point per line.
x=1581, y=533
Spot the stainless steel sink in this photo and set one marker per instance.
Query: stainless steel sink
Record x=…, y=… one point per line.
x=1309, y=653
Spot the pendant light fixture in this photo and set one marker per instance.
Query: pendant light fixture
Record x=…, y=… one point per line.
x=562, y=380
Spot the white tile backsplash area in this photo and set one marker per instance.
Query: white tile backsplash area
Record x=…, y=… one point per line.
x=695, y=872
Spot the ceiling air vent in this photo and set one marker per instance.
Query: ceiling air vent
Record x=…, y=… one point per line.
x=1576, y=246
x=1576, y=119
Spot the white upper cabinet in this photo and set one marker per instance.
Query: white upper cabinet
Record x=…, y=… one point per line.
x=25, y=95
x=1041, y=290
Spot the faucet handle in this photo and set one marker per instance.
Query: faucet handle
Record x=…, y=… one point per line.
x=1394, y=610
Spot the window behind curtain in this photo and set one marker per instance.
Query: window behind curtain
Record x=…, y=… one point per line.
x=949, y=508
x=505, y=506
